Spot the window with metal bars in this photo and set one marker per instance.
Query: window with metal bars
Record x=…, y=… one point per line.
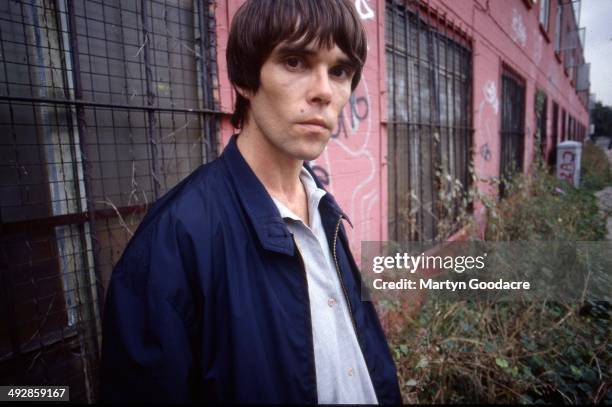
x=512, y=127
x=552, y=157
x=563, y=125
x=541, y=109
x=429, y=124
x=104, y=106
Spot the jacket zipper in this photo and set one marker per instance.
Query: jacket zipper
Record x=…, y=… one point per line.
x=310, y=316
x=348, y=301
x=350, y=308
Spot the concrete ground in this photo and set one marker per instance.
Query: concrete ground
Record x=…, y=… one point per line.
x=604, y=201
x=603, y=142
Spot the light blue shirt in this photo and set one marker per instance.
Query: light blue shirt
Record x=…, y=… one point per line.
x=342, y=375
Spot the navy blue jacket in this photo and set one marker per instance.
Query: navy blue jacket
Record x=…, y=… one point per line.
x=209, y=301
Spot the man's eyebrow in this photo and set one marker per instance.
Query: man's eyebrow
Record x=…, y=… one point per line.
x=286, y=50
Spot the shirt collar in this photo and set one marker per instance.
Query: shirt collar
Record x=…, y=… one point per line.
x=313, y=194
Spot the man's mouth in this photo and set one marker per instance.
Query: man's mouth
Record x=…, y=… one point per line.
x=315, y=124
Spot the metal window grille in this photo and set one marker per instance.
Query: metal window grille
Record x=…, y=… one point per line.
x=541, y=105
x=429, y=123
x=104, y=106
x=575, y=129
x=563, y=125
x=552, y=157
x=512, y=126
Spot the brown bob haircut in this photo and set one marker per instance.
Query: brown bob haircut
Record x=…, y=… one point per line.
x=260, y=25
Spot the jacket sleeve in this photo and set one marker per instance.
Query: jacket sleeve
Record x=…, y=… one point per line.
x=149, y=324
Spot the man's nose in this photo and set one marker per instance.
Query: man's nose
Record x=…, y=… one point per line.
x=320, y=90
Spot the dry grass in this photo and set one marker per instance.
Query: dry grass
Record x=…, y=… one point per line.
x=513, y=352
x=504, y=353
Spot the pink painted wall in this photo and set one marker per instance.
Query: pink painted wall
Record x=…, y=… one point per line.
x=509, y=32
x=502, y=32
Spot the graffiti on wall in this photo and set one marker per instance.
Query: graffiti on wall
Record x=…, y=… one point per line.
x=490, y=95
x=567, y=166
x=537, y=52
x=485, y=152
x=321, y=174
x=359, y=109
x=486, y=119
x=519, y=32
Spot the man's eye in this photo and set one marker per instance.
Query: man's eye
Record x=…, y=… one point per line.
x=342, y=72
x=293, y=62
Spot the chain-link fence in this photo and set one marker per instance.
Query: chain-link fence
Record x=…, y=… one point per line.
x=104, y=106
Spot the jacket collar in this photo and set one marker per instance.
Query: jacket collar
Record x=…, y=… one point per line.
x=327, y=200
x=270, y=228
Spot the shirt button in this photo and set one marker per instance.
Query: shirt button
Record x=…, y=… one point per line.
x=331, y=302
x=350, y=371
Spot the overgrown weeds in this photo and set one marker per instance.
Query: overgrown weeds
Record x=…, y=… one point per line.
x=596, y=171
x=505, y=353
x=513, y=352
x=544, y=208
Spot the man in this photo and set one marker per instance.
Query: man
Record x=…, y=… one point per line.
x=239, y=285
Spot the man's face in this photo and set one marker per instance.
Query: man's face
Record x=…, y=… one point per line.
x=301, y=94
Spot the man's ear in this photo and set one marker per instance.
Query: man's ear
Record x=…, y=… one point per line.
x=243, y=92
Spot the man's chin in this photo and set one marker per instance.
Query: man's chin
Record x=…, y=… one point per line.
x=310, y=157
x=309, y=154
x=304, y=148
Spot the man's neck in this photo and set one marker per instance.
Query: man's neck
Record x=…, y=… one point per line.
x=279, y=174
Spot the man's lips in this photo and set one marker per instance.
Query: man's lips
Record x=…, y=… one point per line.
x=316, y=124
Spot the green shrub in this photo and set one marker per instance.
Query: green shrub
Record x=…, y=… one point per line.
x=543, y=208
x=514, y=352
x=595, y=173
x=505, y=353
